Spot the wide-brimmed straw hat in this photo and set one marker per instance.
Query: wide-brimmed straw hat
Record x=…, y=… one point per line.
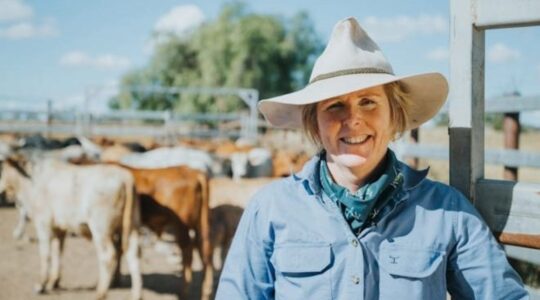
x=352, y=61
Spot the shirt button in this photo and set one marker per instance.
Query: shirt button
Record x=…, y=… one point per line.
x=354, y=242
x=356, y=279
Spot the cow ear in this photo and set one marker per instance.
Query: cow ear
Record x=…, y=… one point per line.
x=18, y=162
x=10, y=160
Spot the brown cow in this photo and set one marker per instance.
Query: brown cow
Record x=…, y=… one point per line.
x=114, y=153
x=224, y=220
x=285, y=163
x=176, y=199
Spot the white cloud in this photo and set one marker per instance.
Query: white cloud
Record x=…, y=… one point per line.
x=438, y=54
x=180, y=20
x=396, y=29
x=500, y=53
x=105, y=61
x=25, y=30
x=20, y=22
x=15, y=10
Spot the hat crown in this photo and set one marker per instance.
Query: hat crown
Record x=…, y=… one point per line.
x=350, y=48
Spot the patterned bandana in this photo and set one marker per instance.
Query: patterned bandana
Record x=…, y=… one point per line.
x=357, y=207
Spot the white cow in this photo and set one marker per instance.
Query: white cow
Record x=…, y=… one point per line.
x=170, y=157
x=97, y=201
x=256, y=162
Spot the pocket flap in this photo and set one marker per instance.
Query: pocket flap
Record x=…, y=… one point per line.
x=302, y=258
x=409, y=262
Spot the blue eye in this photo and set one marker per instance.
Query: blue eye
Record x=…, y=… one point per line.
x=335, y=106
x=366, y=102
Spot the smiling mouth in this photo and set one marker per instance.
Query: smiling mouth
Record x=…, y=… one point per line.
x=356, y=140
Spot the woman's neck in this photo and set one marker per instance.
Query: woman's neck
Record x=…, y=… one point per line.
x=354, y=178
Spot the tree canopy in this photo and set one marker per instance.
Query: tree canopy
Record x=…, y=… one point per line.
x=239, y=49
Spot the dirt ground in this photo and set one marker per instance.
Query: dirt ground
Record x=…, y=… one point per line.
x=160, y=262
x=19, y=268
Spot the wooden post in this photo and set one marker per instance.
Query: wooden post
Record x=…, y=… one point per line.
x=512, y=129
x=466, y=111
x=414, y=162
x=168, y=135
x=508, y=207
x=48, y=119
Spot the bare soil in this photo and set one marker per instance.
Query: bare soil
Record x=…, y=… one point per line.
x=160, y=262
x=19, y=268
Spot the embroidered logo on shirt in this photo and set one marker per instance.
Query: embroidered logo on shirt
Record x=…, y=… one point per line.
x=393, y=259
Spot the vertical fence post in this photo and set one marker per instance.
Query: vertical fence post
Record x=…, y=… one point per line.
x=466, y=111
x=253, y=115
x=86, y=113
x=48, y=119
x=414, y=162
x=512, y=129
x=168, y=127
x=251, y=98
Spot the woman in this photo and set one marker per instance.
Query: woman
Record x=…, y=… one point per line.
x=356, y=223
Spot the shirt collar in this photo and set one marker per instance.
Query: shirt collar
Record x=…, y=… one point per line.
x=309, y=175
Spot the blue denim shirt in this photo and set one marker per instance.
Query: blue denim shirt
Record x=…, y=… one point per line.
x=293, y=243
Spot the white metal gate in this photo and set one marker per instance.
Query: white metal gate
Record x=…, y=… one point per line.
x=511, y=209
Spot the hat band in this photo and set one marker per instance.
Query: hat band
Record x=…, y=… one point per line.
x=349, y=72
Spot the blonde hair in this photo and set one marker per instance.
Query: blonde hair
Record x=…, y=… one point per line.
x=399, y=102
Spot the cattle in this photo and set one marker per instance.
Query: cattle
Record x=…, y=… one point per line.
x=172, y=156
x=135, y=147
x=176, y=200
x=224, y=219
x=285, y=163
x=250, y=162
x=73, y=149
x=94, y=201
x=114, y=153
x=37, y=141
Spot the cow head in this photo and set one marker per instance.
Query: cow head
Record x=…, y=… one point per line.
x=239, y=164
x=14, y=169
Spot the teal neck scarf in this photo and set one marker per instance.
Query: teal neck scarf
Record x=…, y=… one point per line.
x=357, y=207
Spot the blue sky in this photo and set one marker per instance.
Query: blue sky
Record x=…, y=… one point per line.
x=58, y=49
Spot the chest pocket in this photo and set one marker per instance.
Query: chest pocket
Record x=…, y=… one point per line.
x=411, y=272
x=302, y=271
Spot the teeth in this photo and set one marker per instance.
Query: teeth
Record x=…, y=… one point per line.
x=356, y=139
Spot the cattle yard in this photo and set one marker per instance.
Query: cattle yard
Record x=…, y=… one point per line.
x=161, y=261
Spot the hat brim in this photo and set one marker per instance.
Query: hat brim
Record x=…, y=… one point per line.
x=427, y=92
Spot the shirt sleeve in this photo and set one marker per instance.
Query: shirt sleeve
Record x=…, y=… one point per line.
x=247, y=272
x=477, y=265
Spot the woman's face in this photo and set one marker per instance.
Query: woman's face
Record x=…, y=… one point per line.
x=355, y=129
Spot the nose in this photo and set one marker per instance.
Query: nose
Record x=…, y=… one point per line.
x=354, y=118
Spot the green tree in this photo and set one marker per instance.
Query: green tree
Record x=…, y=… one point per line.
x=238, y=49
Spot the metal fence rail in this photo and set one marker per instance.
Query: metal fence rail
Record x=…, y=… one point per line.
x=125, y=123
x=506, y=157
